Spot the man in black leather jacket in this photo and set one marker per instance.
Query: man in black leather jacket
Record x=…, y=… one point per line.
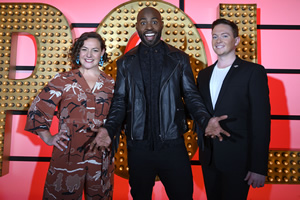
x=152, y=79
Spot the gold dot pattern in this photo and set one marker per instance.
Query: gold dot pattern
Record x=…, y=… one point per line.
x=53, y=38
x=283, y=167
x=244, y=15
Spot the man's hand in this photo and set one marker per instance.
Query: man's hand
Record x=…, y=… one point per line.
x=214, y=129
x=102, y=140
x=256, y=180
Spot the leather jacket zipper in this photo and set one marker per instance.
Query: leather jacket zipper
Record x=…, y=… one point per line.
x=162, y=135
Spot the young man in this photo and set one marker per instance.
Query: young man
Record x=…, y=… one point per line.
x=239, y=89
x=152, y=79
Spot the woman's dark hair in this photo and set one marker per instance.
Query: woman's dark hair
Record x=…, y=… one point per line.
x=233, y=26
x=78, y=43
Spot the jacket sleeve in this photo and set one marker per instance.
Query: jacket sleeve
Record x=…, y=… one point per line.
x=117, y=111
x=192, y=98
x=260, y=120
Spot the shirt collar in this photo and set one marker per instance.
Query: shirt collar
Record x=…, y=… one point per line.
x=158, y=48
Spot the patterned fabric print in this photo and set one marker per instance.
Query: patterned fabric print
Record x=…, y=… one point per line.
x=79, y=109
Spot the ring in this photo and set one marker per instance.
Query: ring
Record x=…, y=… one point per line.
x=58, y=141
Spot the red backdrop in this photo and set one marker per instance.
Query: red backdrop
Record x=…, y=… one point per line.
x=278, y=49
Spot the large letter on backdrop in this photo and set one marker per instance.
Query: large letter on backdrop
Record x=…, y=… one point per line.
x=53, y=39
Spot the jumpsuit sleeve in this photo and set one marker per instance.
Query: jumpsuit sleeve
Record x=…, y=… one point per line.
x=42, y=109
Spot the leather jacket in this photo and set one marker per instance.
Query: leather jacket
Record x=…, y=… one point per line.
x=177, y=86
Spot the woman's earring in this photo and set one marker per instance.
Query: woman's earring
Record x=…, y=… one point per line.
x=77, y=60
x=101, y=62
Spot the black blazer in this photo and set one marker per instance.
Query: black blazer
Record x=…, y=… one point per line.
x=244, y=97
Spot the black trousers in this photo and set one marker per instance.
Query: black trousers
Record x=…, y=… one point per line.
x=221, y=185
x=171, y=165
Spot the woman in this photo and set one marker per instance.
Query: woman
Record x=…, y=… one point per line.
x=82, y=98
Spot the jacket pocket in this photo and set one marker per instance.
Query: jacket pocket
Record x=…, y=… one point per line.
x=180, y=120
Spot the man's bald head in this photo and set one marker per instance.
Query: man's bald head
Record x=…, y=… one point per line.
x=148, y=10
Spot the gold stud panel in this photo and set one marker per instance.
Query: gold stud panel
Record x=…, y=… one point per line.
x=284, y=167
x=244, y=15
x=53, y=39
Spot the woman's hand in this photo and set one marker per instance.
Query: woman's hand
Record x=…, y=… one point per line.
x=54, y=140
